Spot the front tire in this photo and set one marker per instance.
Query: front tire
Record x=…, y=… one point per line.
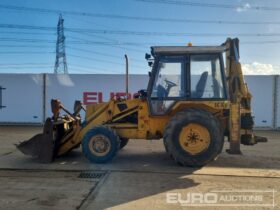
x=100, y=144
x=193, y=137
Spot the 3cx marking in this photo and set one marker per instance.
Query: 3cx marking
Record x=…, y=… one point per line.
x=1, y=98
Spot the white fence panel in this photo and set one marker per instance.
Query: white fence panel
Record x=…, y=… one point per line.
x=22, y=98
x=23, y=94
x=261, y=88
x=277, y=103
x=90, y=88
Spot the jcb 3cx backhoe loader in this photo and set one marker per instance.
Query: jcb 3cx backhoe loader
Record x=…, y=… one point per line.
x=192, y=101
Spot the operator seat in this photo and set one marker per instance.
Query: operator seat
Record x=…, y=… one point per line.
x=200, y=86
x=161, y=92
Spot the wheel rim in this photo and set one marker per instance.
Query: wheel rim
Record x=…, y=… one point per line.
x=99, y=145
x=194, y=138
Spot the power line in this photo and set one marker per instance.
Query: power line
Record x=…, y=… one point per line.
x=261, y=42
x=108, y=45
x=95, y=59
x=27, y=27
x=102, y=54
x=212, y=5
x=79, y=70
x=84, y=57
x=26, y=52
x=22, y=67
x=107, y=39
x=26, y=40
x=101, y=60
x=112, y=44
x=70, y=42
x=87, y=42
x=170, y=34
x=27, y=33
x=139, y=33
x=23, y=64
x=25, y=46
x=88, y=34
x=93, y=69
x=185, y=20
x=155, y=19
x=93, y=52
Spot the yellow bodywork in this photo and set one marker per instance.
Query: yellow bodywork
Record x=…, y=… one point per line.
x=148, y=127
x=229, y=112
x=155, y=114
x=133, y=119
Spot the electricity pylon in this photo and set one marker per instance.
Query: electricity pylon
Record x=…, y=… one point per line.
x=60, y=66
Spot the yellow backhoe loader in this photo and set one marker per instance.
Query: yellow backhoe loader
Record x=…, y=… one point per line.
x=193, y=101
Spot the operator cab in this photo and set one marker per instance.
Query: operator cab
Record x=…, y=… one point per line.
x=185, y=73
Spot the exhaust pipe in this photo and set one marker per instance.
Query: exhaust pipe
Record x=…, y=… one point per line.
x=126, y=76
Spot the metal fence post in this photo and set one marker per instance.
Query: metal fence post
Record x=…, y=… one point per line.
x=44, y=97
x=275, y=101
x=1, y=99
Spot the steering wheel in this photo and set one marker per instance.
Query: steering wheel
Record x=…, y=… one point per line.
x=170, y=84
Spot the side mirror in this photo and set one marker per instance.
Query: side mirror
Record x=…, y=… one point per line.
x=150, y=63
x=147, y=56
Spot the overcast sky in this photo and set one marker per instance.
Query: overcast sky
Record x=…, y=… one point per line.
x=102, y=50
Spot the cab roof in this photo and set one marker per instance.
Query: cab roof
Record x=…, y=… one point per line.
x=169, y=50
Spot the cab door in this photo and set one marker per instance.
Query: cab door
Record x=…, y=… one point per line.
x=168, y=83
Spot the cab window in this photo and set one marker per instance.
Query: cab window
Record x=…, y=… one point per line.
x=169, y=84
x=169, y=81
x=206, y=77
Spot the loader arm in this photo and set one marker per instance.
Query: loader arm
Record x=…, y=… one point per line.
x=110, y=113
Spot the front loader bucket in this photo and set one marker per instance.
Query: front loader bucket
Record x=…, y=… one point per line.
x=57, y=137
x=40, y=146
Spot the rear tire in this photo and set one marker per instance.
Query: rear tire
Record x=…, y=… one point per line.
x=124, y=142
x=193, y=137
x=100, y=144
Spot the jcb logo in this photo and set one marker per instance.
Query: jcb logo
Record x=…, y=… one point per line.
x=223, y=105
x=1, y=98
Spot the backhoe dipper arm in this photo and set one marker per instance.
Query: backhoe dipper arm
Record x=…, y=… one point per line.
x=240, y=120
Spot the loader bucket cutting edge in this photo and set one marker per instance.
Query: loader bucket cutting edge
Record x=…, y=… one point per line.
x=41, y=145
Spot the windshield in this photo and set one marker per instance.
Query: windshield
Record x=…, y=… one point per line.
x=186, y=77
x=168, y=81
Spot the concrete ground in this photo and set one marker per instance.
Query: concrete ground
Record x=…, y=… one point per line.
x=142, y=176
